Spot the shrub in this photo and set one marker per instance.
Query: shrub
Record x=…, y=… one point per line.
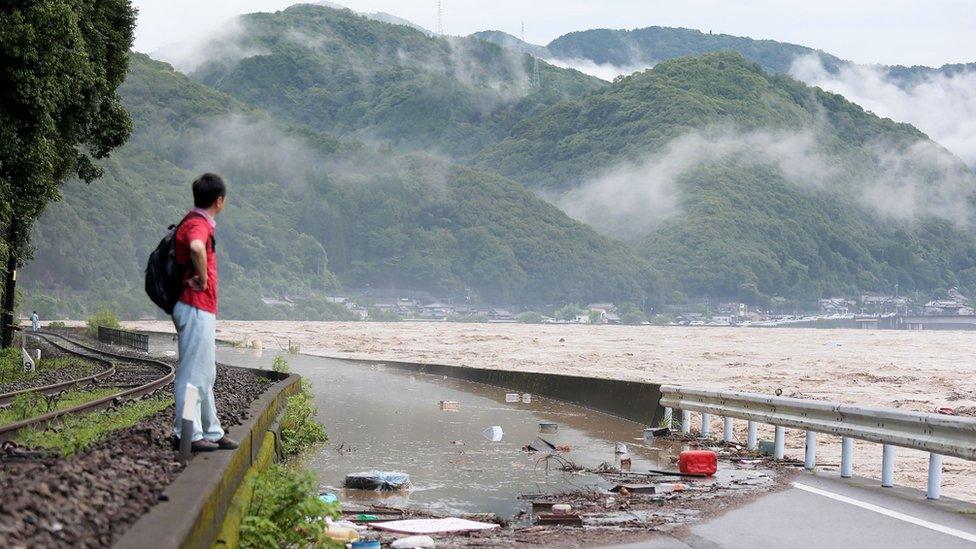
x=102, y=318
x=285, y=511
x=280, y=365
x=530, y=317
x=299, y=430
x=56, y=324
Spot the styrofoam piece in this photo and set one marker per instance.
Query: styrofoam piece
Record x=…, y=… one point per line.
x=433, y=526
x=493, y=433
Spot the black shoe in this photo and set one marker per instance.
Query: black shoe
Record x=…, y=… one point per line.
x=226, y=443
x=203, y=445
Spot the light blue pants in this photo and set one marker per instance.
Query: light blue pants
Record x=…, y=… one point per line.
x=35, y=326
x=197, y=332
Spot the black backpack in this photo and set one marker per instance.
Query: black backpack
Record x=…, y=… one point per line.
x=164, y=276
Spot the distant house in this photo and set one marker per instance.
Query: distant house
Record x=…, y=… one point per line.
x=947, y=307
x=735, y=309
x=582, y=319
x=835, y=306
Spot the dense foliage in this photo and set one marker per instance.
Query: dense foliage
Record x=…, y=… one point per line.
x=650, y=45
x=60, y=64
x=337, y=71
x=303, y=209
x=747, y=227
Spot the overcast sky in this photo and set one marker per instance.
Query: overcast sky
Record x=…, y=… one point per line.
x=907, y=32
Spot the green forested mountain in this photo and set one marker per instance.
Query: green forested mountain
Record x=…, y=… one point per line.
x=650, y=45
x=340, y=72
x=307, y=212
x=784, y=189
x=342, y=137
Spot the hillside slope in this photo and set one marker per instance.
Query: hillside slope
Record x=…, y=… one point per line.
x=339, y=72
x=734, y=182
x=304, y=210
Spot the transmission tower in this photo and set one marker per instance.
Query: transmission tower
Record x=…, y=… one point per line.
x=523, y=31
x=440, y=19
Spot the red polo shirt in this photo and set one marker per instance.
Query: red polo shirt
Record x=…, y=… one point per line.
x=197, y=225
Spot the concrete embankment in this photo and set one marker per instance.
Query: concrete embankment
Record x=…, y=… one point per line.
x=193, y=508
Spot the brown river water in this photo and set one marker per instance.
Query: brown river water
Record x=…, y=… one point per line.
x=891, y=368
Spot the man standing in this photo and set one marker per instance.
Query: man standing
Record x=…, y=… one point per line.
x=35, y=322
x=195, y=314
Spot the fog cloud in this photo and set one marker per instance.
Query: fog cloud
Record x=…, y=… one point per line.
x=943, y=106
x=603, y=71
x=905, y=184
x=222, y=44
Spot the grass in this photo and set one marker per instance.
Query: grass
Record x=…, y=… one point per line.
x=12, y=370
x=78, y=432
x=30, y=405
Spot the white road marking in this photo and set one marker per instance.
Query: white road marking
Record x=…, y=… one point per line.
x=888, y=512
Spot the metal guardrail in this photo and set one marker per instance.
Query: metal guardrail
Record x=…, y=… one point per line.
x=134, y=340
x=937, y=434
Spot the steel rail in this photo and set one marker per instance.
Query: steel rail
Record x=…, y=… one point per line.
x=47, y=390
x=8, y=431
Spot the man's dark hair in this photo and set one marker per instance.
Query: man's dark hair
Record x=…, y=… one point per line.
x=207, y=189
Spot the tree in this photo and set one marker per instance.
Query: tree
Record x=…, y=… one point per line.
x=61, y=62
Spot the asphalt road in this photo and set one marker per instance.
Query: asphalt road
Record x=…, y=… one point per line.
x=826, y=512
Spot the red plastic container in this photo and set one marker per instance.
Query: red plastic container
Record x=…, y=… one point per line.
x=698, y=462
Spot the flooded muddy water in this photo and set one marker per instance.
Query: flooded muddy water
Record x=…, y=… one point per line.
x=390, y=419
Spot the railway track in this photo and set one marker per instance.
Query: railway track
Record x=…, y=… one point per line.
x=134, y=376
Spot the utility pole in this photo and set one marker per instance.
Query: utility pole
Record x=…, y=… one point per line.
x=439, y=29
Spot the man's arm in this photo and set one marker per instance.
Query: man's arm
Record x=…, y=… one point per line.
x=198, y=255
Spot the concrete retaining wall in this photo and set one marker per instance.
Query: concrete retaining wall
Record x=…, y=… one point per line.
x=631, y=400
x=197, y=501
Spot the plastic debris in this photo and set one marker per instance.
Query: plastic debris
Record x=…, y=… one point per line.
x=366, y=544
x=548, y=427
x=946, y=410
x=328, y=498
x=340, y=533
x=634, y=488
x=413, y=542
x=660, y=432
x=700, y=462
x=511, y=397
x=527, y=398
x=620, y=448
x=450, y=405
x=567, y=519
x=561, y=508
x=380, y=481
x=433, y=526
x=539, y=445
x=493, y=433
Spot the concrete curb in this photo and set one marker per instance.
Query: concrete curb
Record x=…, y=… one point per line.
x=631, y=400
x=198, y=499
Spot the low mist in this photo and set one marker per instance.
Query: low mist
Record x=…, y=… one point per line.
x=630, y=200
x=940, y=105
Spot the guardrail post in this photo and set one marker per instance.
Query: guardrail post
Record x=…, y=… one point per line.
x=810, y=458
x=935, y=476
x=779, y=446
x=888, y=466
x=685, y=422
x=727, y=435
x=669, y=418
x=846, y=457
x=705, y=428
x=753, y=441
